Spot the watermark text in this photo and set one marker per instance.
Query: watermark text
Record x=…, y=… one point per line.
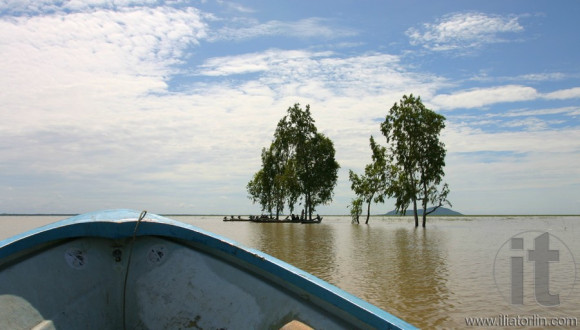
x=504, y=320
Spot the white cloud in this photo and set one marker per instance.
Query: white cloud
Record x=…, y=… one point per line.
x=539, y=112
x=82, y=103
x=510, y=164
x=254, y=62
x=299, y=72
x=463, y=31
x=142, y=41
x=552, y=76
x=312, y=27
x=530, y=124
x=58, y=6
x=463, y=138
x=235, y=6
x=530, y=77
x=91, y=63
x=571, y=93
x=481, y=97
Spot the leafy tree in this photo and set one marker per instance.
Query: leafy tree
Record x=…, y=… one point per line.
x=258, y=191
x=299, y=164
x=267, y=186
x=412, y=132
x=372, y=185
x=355, y=209
x=318, y=172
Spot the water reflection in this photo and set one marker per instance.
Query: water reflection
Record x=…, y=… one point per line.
x=401, y=269
x=310, y=247
x=421, y=276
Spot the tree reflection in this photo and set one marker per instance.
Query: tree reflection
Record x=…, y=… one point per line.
x=402, y=270
x=421, y=276
x=310, y=247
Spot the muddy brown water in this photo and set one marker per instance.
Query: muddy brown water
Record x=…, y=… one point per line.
x=454, y=271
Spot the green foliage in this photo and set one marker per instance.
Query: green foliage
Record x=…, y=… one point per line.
x=372, y=186
x=412, y=132
x=267, y=186
x=355, y=209
x=300, y=164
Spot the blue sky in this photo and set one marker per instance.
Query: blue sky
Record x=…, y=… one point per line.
x=165, y=105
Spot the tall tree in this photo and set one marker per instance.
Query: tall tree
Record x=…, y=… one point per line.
x=312, y=170
x=268, y=184
x=412, y=132
x=355, y=209
x=299, y=164
x=372, y=185
x=318, y=172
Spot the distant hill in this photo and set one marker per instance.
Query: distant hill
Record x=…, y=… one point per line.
x=439, y=211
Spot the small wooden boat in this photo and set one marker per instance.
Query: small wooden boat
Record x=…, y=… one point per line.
x=122, y=269
x=232, y=218
x=273, y=220
x=315, y=220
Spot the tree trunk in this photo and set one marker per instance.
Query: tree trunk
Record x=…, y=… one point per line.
x=424, y=202
x=369, y=210
x=415, y=212
x=308, y=207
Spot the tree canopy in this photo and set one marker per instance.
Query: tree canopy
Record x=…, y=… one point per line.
x=355, y=209
x=267, y=186
x=417, y=156
x=373, y=185
x=299, y=165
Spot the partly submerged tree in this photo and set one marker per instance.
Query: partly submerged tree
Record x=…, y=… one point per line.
x=318, y=173
x=418, y=156
x=302, y=166
x=267, y=186
x=355, y=209
x=373, y=184
x=310, y=158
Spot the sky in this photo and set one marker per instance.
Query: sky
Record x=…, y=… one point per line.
x=165, y=105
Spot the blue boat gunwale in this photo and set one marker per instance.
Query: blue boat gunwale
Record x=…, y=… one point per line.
x=118, y=224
